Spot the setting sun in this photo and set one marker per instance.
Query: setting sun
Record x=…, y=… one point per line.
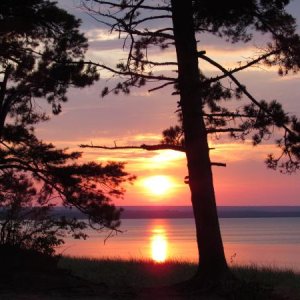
x=157, y=185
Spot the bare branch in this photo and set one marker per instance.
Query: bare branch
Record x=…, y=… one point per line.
x=154, y=63
x=131, y=73
x=121, y=26
x=137, y=22
x=245, y=66
x=216, y=130
x=149, y=7
x=160, y=87
x=143, y=147
x=227, y=114
x=218, y=164
x=149, y=148
x=157, y=33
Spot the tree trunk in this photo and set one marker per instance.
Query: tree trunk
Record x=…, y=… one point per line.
x=212, y=262
x=4, y=106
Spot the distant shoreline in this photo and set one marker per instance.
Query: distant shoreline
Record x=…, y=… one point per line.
x=185, y=212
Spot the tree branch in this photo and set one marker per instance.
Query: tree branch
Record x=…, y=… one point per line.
x=227, y=114
x=131, y=73
x=249, y=64
x=160, y=87
x=155, y=63
x=217, y=164
x=216, y=130
x=143, y=146
x=149, y=148
x=242, y=87
x=158, y=8
x=140, y=21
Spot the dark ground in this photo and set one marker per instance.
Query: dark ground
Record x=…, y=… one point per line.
x=28, y=276
x=61, y=285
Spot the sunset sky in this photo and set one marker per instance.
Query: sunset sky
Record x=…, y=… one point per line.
x=140, y=118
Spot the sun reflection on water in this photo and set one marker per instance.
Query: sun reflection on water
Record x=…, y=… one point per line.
x=159, y=245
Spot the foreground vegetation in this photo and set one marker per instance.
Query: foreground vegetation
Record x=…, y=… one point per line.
x=129, y=275
x=36, y=276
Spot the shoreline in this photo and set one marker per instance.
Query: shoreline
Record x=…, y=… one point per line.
x=185, y=212
x=89, y=279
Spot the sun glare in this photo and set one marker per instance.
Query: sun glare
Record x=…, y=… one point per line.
x=159, y=247
x=157, y=185
x=168, y=155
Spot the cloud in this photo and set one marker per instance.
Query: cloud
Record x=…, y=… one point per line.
x=101, y=35
x=232, y=152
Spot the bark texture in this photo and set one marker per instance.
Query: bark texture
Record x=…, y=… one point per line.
x=212, y=262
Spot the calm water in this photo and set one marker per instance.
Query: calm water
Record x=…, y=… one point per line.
x=270, y=241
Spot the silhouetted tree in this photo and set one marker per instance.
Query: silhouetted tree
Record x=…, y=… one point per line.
x=41, y=55
x=26, y=220
x=26, y=210
x=203, y=104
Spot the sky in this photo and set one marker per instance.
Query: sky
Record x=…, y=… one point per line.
x=140, y=118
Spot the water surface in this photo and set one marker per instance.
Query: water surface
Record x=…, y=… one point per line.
x=262, y=241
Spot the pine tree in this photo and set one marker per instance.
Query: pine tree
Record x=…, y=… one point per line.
x=203, y=101
x=41, y=55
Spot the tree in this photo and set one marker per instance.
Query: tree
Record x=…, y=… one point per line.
x=27, y=217
x=41, y=55
x=203, y=105
x=28, y=225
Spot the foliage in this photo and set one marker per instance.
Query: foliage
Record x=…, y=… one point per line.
x=23, y=225
x=36, y=176
x=27, y=217
x=41, y=55
x=146, y=26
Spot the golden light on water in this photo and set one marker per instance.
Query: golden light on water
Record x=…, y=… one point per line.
x=159, y=246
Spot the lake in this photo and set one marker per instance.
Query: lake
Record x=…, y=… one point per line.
x=261, y=241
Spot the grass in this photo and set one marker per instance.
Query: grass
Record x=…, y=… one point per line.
x=117, y=274
x=284, y=282
x=135, y=273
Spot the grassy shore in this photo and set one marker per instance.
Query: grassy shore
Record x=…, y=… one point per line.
x=124, y=274
x=106, y=279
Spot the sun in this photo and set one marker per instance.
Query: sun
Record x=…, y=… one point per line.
x=157, y=185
